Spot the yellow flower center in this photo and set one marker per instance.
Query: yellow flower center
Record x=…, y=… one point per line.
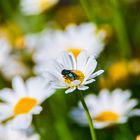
x=75, y=51
x=77, y=74
x=20, y=42
x=138, y=137
x=107, y=116
x=24, y=105
x=118, y=71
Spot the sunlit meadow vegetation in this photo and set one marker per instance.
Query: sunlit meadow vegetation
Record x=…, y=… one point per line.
x=56, y=53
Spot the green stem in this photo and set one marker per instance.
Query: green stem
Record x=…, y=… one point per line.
x=90, y=122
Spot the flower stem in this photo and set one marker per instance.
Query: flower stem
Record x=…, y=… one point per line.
x=88, y=116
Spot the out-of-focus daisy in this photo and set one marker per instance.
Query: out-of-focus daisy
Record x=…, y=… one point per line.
x=72, y=73
x=107, y=108
x=9, y=63
x=8, y=134
x=138, y=137
x=32, y=42
x=74, y=39
x=118, y=71
x=4, y=51
x=23, y=101
x=14, y=67
x=134, y=67
x=34, y=7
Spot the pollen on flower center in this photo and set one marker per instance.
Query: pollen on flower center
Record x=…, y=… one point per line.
x=107, y=116
x=75, y=51
x=72, y=75
x=20, y=42
x=24, y=105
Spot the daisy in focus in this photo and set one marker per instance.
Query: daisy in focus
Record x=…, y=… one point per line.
x=35, y=7
x=72, y=73
x=9, y=134
x=23, y=101
x=107, y=108
x=74, y=39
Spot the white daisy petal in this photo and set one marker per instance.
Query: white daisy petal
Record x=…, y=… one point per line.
x=83, y=87
x=97, y=73
x=58, y=86
x=79, y=116
x=89, y=81
x=70, y=90
x=131, y=104
x=135, y=112
x=9, y=134
x=57, y=67
x=82, y=60
x=75, y=83
x=43, y=88
x=36, y=110
x=65, y=59
x=54, y=76
x=100, y=125
x=5, y=108
x=90, y=66
x=18, y=86
x=21, y=122
x=7, y=95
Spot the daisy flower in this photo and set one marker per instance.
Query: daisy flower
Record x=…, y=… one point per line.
x=4, y=51
x=107, y=108
x=35, y=7
x=8, y=134
x=72, y=73
x=73, y=39
x=14, y=67
x=10, y=66
x=23, y=101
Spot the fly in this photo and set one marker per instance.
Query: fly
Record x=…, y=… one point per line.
x=69, y=74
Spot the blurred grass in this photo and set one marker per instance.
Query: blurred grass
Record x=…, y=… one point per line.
x=123, y=18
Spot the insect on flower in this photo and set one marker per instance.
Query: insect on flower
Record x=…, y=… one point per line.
x=69, y=74
x=73, y=73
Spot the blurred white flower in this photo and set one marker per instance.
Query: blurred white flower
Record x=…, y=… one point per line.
x=4, y=51
x=35, y=7
x=32, y=42
x=107, y=108
x=14, y=67
x=74, y=39
x=23, y=101
x=8, y=134
x=73, y=73
x=9, y=64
